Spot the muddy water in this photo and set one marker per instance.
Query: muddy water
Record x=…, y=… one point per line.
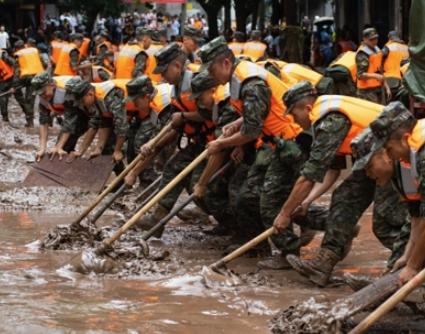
x=36, y=297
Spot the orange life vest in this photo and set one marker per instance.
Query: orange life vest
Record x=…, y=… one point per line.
x=404, y=68
x=126, y=61
x=6, y=71
x=277, y=123
x=375, y=64
x=185, y=102
x=29, y=61
x=254, y=50
x=63, y=66
x=347, y=60
x=194, y=67
x=360, y=113
x=56, y=105
x=84, y=48
x=56, y=47
x=95, y=73
x=407, y=175
x=293, y=73
x=398, y=54
x=236, y=47
x=151, y=62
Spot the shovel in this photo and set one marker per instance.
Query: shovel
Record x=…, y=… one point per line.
x=389, y=304
x=147, y=234
x=119, y=178
x=85, y=263
x=242, y=250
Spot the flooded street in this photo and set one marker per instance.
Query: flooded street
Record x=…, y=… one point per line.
x=38, y=294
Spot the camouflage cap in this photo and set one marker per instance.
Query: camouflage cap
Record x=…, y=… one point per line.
x=390, y=119
x=361, y=147
x=195, y=34
x=19, y=44
x=139, y=86
x=370, y=33
x=297, y=92
x=165, y=56
x=211, y=50
x=141, y=31
x=76, y=36
x=255, y=34
x=202, y=82
x=239, y=36
x=40, y=82
x=78, y=87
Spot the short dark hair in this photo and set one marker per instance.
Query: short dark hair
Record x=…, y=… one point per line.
x=407, y=126
x=227, y=54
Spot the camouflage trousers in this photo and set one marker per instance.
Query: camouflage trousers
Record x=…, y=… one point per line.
x=372, y=95
x=391, y=220
x=268, y=184
x=174, y=166
x=4, y=100
x=140, y=133
x=25, y=101
x=220, y=197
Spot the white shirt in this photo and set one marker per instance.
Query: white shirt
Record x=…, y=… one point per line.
x=4, y=40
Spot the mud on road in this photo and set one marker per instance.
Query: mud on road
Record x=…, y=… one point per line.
x=164, y=293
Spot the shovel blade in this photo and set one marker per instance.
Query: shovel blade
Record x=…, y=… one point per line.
x=89, y=261
x=85, y=174
x=213, y=278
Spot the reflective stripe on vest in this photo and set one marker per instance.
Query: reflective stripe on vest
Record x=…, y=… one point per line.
x=276, y=123
x=59, y=96
x=84, y=48
x=185, y=102
x=360, y=113
x=236, y=47
x=407, y=181
x=398, y=53
x=151, y=62
x=254, y=50
x=126, y=61
x=102, y=89
x=29, y=62
x=347, y=60
x=404, y=68
x=293, y=73
x=63, y=66
x=375, y=63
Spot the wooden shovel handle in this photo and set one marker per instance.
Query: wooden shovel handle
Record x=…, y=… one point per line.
x=121, y=176
x=244, y=248
x=389, y=304
x=164, y=191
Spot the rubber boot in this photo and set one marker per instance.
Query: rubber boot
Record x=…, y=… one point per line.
x=275, y=262
x=319, y=269
x=152, y=218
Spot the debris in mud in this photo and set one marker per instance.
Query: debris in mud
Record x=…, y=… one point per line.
x=309, y=317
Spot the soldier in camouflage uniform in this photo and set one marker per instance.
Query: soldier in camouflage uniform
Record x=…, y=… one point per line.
x=81, y=116
x=192, y=38
x=370, y=40
x=276, y=162
x=141, y=91
x=25, y=101
x=144, y=40
x=203, y=87
x=401, y=135
x=5, y=85
x=349, y=200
